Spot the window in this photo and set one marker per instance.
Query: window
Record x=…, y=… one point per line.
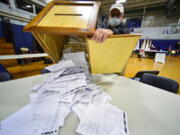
x=5, y=1
x=24, y=5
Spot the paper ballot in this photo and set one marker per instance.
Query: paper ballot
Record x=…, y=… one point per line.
x=67, y=89
x=61, y=65
x=78, y=59
x=44, y=115
x=102, y=120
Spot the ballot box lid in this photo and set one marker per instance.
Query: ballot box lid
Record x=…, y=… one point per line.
x=66, y=18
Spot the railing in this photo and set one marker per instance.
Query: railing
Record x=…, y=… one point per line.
x=22, y=56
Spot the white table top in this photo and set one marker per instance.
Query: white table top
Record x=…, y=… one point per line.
x=155, y=51
x=22, y=56
x=151, y=111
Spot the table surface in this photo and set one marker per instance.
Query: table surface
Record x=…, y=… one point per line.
x=151, y=111
x=155, y=51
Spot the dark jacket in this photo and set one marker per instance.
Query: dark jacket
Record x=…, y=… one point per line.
x=120, y=29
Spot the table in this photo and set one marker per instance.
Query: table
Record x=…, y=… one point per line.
x=151, y=53
x=151, y=111
x=155, y=51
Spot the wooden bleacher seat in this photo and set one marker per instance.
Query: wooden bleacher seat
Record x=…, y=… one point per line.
x=7, y=49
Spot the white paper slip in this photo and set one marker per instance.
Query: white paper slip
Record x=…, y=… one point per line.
x=79, y=109
x=73, y=70
x=15, y=122
x=115, y=131
x=67, y=98
x=64, y=87
x=79, y=76
x=33, y=97
x=78, y=58
x=24, y=122
x=54, y=76
x=63, y=113
x=41, y=94
x=48, y=80
x=37, y=87
x=101, y=120
x=101, y=98
x=67, y=50
x=41, y=116
x=92, y=86
x=52, y=86
x=46, y=105
x=60, y=66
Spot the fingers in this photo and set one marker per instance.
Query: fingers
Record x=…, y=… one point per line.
x=93, y=38
x=104, y=38
x=101, y=34
x=96, y=35
x=106, y=34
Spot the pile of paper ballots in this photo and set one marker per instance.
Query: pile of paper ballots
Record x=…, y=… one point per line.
x=68, y=89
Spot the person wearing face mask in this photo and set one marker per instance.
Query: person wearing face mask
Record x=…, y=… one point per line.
x=116, y=24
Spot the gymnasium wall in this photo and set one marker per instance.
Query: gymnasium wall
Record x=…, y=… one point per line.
x=159, y=36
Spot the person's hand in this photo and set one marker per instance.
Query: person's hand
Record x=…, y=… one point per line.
x=101, y=34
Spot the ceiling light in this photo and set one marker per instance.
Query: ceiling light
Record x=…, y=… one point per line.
x=28, y=6
x=120, y=1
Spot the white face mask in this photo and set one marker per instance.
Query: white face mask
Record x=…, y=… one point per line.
x=114, y=21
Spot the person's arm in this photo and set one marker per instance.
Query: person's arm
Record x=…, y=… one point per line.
x=101, y=34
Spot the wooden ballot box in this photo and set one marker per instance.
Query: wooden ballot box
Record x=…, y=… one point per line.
x=59, y=19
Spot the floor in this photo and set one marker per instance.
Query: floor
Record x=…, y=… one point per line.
x=170, y=69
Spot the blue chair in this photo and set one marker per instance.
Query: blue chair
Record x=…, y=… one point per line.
x=160, y=82
x=139, y=74
x=4, y=74
x=44, y=71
